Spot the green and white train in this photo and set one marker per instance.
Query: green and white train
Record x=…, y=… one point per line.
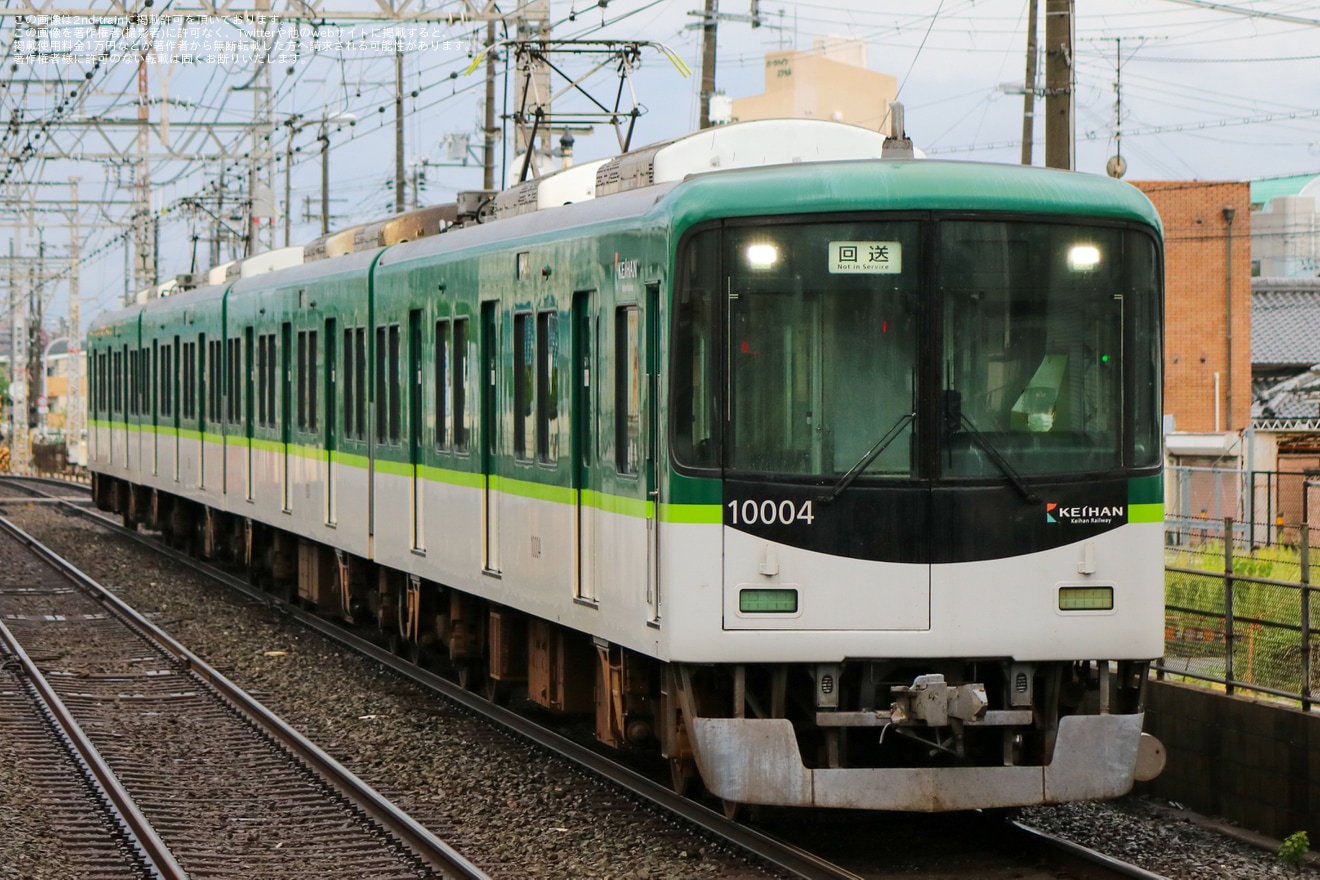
x=834, y=477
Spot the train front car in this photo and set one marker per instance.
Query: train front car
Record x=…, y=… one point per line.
x=913, y=531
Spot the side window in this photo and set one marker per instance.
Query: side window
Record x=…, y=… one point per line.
x=234, y=409
x=302, y=380
x=395, y=377
x=166, y=381
x=132, y=382
x=271, y=370
x=442, y=388
x=458, y=382
x=627, y=389
x=262, y=415
x=523, y=417
x=348, y=382
x=360, y=382
x=215, y=382
x=547, y=387
x=311, y=380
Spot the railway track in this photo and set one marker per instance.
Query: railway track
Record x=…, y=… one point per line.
x=1015, y=849
x=207, y=781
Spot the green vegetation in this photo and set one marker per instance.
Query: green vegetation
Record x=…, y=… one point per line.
x=1267, y=648
x=1294, y=850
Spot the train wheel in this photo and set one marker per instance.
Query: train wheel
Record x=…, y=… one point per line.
x=683, y=776
x=496, y=691
x=471, y=674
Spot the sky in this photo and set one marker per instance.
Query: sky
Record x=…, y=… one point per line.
x=1210, y=91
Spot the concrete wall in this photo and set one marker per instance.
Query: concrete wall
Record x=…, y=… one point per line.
x=1249, y=761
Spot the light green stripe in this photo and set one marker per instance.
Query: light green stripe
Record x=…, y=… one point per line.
x=616, y=503
x=537, y=491
x=451, y=477
x=349, y=459
x=706, y=514
x=1141, y=513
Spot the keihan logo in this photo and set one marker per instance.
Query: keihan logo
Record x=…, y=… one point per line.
x=1084, y=514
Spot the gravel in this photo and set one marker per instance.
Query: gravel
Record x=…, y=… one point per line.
x=506, y=806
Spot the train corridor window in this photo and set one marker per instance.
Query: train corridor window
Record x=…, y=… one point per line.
x=234, y=407
x=189, y=380
x=395, y=394
x=380, y=385
x=270, y=380
x=132, y=382
x=524, y=427
x=360, y=382
x=442, y=392
x=201, y=376
x=302, y=380
x=458, y=384
x=695, y=392
x=627, y=389
x=311, y=380
x=348, y=382
x=117, y=391
x=166, y=381
x=261, y=380
x=214, y=380
x=547, y=388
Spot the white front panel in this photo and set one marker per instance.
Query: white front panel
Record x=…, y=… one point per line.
x=833, y=592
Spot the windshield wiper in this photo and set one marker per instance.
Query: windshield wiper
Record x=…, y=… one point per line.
x=871, y=455
x=988, y=448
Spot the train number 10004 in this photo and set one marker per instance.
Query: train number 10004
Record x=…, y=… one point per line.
x=770, y=513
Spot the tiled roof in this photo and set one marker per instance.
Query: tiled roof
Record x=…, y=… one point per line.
x=1285, y=321
x=1294, y=398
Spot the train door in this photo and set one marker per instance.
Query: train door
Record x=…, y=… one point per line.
x=249, y=405
x=489, y=418
x=331, y=405
x=286, y=420
x=415, y=445
x=582, y=434
x=650, y=444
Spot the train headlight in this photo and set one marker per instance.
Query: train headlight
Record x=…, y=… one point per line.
x=762, y=256
x=1083, y=257
x=1086, y=598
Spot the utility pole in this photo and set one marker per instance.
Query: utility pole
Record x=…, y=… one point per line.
x=488, y=146
x=709, y=24
x=144, y=264
x=1029, y=92
x=400, y=172
x=73, y=401
x=261, y=166
x=1059, y=144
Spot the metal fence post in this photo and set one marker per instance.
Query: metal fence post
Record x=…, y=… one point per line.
x=1304, y=546
x=1228, y=604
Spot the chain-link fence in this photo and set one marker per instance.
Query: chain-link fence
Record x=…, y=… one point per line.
x=1240, y=612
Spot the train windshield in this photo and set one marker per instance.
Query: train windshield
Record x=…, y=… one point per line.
x=1036, y=365
x=799, y=349
x=819, y=347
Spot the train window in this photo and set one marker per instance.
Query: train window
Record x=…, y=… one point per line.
x=133, y=382
x=458, y=384
x=189, y=380
x=270, y=380
x=547, y=387
x=1033, y=346
x=311, y=380
x=694, y=394
x=302, y=380
x=442, y=388
x=360, y=382
x=381, y=416
x=118, y=383
x=217, y=366
x=166, y=379
x=234, y=405
x=395, y=394
x=201, y=376
x=524, y=427
x=348, y=383
x=627, y=389
x=262, y=379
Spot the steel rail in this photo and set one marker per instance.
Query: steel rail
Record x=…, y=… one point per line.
x=435, y=852
x=775, y=852
x=155, y=854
